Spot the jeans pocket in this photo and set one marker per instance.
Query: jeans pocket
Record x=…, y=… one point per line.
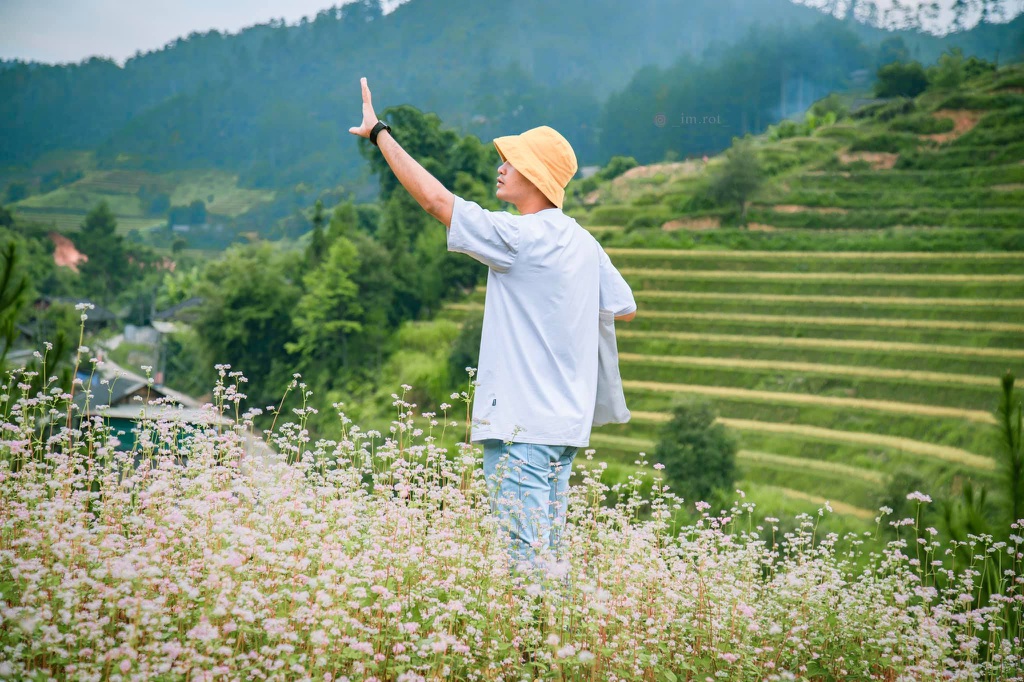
x=538, y=456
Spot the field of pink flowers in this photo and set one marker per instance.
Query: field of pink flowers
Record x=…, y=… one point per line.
x=200, y=555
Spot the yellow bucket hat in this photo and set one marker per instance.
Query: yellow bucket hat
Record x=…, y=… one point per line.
x=544, y=157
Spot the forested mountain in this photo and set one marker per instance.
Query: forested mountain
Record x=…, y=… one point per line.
x=274, y=102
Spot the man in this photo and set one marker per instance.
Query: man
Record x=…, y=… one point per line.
x=548, y=279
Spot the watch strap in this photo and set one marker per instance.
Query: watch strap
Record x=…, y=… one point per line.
x=381, y=125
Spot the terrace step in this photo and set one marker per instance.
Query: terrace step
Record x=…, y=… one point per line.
x=812, y=465
x=825, y=256
x=807, y=367
x=872, y=277
x=953, y=325
x=827, y=344
x=910, y=301
x=837, y=507
x=889, y=406
x=908, y=445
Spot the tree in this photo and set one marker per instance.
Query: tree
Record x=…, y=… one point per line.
x=317, y=248
x=424, y=271
x=739, y=177
x=616, y=167
x=892, y=49
x=16, y=191
x=466, y=351
x=344, y=221
x=13, y=286
x=832, y=104
x=1010, y=421
x=107, y=270
x=197, y=212
x=901, y=79
x=699, y=455
x=329, y=311
x=950, y=70
x=249, y=296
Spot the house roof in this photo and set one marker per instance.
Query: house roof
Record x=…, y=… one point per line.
x=97, y=314
x=178, y=308
x=123, y=384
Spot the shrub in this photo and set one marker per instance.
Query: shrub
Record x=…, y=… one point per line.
x=616, y=167
x=990, y=137
x=893, y=143
x=949, y=71
x=842, y=133
x=648, y=217
x=465, y=351
x=832, y=104
x=699, y=455
x=1012, y=80
x=901, y=79
x=886, y=111
x=648, y=200
x=611, y=214
x=921, y=124
x=785, y=129
x=1002, y=119
x=961, y=157
x=1001, y=100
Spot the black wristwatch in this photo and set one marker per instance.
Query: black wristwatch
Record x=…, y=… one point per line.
x=381, y=125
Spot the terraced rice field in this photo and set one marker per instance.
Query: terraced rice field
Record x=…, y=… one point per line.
x=69, y=222
x=65, y=208
x=837, y=372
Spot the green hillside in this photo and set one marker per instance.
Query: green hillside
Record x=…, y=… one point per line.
x=139, y=199
x=259, y=119
x=853, y=336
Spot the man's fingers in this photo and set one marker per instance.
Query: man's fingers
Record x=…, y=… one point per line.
x=366, y=90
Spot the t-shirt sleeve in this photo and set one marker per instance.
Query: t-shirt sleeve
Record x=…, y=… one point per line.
x=491, y=237
x=616, y=295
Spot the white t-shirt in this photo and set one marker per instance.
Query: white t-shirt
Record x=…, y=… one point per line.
x=548, y=278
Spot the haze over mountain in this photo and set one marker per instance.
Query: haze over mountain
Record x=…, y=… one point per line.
x=274, y=101
x=68, y=31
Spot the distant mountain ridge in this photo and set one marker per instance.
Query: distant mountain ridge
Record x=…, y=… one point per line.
x=274, y=102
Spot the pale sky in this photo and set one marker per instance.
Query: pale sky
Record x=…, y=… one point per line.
x=60, y=31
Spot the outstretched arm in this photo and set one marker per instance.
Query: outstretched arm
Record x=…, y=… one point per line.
x=417, y=180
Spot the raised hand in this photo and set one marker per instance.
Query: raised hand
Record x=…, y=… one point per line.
x=369, y=118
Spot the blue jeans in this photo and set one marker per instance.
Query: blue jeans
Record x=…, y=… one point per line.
x=529, y=487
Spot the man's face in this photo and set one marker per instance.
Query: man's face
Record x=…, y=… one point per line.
x=512, y=186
